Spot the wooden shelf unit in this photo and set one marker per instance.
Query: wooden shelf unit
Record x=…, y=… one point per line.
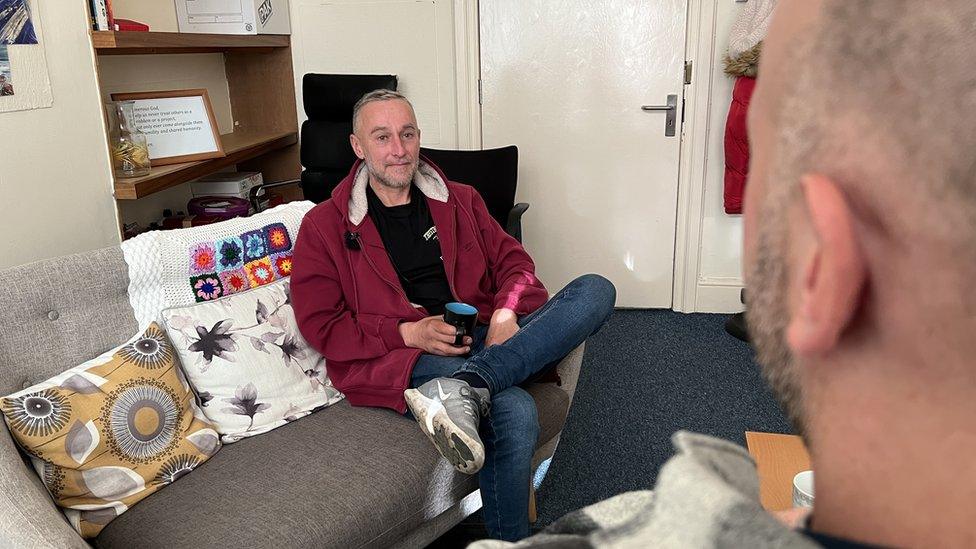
x=238, y=147
x=265, y=134
x=140, y=43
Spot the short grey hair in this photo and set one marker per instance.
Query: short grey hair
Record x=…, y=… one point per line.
x=882, y=99
x=372, y=97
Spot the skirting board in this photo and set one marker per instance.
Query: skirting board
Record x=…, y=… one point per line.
x=719, y=296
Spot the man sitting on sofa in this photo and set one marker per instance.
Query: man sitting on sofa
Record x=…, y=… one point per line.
x=860, y=256
x=374, y=267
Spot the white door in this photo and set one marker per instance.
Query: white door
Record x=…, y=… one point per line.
x=566, y=82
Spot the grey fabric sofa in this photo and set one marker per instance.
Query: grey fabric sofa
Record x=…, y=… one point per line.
x=341, y=477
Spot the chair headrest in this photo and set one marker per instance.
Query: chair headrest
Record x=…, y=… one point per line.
x=332, y=96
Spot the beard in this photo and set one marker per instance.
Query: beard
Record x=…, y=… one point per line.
x=768, y=316
x=390, y=181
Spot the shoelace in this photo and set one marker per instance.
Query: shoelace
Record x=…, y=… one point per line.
x=468, y=406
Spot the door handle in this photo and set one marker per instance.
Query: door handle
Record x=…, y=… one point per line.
x=672, y=113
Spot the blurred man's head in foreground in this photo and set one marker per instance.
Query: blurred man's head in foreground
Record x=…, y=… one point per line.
x=860, y=222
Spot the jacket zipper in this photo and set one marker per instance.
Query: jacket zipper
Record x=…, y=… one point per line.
x=450, y=277
x=397, y=288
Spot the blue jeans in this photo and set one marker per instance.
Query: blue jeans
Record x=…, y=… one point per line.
x=511, y=429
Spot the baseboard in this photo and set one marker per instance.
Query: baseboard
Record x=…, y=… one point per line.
x=719, y=296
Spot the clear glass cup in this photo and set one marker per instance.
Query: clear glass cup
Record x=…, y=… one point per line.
x=130, y=149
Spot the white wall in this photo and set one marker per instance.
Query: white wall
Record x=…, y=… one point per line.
x=54, y=164
x=160, y=15
x=708, y=273
x=414, y=39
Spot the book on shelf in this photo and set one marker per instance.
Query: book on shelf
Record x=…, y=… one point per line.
x=92, y=18
x=108, y=14
x=99, y=11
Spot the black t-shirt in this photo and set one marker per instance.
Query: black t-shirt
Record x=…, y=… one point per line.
x=410, y=238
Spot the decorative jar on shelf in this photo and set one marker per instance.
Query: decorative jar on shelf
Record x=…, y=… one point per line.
x=130, y=149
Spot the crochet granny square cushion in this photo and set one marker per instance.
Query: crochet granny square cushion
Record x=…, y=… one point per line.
x=183, y=266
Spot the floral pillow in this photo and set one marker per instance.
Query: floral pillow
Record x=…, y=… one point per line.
x=108, y=433
x=249, y=364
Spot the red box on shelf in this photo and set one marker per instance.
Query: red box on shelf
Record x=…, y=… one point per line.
x=130, y=25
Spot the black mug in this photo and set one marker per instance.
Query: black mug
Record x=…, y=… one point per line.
x=463, y=317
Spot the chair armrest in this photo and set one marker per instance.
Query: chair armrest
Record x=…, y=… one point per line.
x=514, y=224
x=273, y=184
x=569, y=371
x=28, y=516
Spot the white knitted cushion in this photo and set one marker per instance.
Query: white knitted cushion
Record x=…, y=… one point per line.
x=247, y=361
x=184, y=266
x=750, y=26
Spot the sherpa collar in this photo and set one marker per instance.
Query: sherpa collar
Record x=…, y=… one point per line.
x=427, y=180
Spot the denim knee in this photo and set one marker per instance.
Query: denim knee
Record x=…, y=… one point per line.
x=514, y=416
x=600, y=293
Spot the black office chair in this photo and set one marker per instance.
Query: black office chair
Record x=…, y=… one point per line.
x=325, y=151
x=493, y=173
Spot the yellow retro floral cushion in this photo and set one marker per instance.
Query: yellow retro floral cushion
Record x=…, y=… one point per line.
x=110, y=432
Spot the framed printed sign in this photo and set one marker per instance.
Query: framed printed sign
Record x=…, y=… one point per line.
x=179, y=125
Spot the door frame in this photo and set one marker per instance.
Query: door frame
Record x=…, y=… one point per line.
x=693, y=291
x=467, y=56
x=690, y=291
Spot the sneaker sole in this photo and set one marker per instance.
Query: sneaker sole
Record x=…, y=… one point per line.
x=450, y=440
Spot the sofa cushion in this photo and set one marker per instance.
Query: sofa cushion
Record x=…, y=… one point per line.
x=185, y=266
x=340, y=477
x=245, y=357
x=108, y=433
x=71, y=308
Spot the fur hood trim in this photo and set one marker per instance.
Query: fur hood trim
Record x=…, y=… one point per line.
x=746, y=64
x=427, y=180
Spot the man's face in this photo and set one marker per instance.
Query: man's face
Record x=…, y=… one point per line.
x=388, y=140
x=766, y=212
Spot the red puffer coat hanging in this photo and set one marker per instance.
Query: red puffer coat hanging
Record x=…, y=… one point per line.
x=742, y=62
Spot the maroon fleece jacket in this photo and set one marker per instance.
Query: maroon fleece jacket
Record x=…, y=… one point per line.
x=349, y=303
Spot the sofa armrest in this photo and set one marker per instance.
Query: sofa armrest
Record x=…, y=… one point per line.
x=514, y=224
x=28, y=516
x=569, y=371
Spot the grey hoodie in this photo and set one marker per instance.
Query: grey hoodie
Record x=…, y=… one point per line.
x=707, y=495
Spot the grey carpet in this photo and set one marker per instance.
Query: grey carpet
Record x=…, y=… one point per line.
x=647, y=374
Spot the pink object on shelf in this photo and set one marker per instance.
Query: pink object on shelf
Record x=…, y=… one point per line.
x=130, y=25
x=220, y=206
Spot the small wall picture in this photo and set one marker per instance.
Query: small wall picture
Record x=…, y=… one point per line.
x=6, y=79
x=15, y=23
